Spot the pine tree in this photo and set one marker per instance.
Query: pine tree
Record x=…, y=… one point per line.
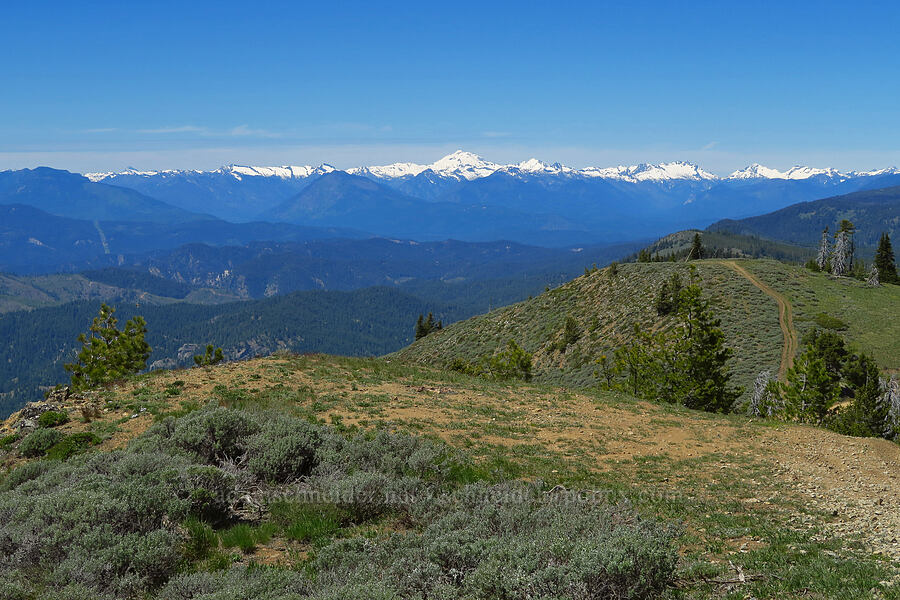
x=424, y=326
x=705, y=357
x=884, y=260
x=420, y=327
x=212, y=356
x=822, y=256
x=810, y=391
x=669, y=293
x=687, y=363
x=108, y=354
x=571, y=333
x=696, y=251
x=868, y=414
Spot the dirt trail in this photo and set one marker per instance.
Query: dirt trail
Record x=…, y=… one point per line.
x=785, y=317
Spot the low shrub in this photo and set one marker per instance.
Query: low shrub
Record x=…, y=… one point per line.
x=23, y=474
x=396, y=454
x=211, y=492
x=52, y=418
x=214, y=433
x=828, y=322
x=512, y=363
x=72, y=444
x=38, y=442
x=8, y=440
x=103, y=521
x=364, y=496
x=284, y=450
x=511, y=541
x=103, y=524
x=241, y=583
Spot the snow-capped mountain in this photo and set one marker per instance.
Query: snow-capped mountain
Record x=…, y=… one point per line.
x=467, y=166
x=797, y=173
x=236, y=171
x=459, y=165
x=757, y=171
x=541, y=198
x=649, y=172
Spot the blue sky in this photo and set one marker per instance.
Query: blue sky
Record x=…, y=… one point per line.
x=96, y=86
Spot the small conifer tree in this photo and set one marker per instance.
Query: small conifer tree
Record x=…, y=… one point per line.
x=108, y=354
x=696, y=251
x=884, y=260
x=212, y=356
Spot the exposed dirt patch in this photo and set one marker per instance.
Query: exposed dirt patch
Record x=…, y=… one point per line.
x=854, y=479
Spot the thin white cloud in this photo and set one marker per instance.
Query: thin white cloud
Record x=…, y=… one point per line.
x=178, y=129
x=710, y=146
x=247, y=131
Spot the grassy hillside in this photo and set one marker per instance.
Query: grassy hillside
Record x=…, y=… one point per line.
x=607, y=307
x=866, y=317
x=726, y=244
x=754, y=509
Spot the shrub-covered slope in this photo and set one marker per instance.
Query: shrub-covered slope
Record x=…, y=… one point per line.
x=226, y=483
x=606, y=308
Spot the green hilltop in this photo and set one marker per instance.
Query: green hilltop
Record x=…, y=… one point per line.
x=607, y=304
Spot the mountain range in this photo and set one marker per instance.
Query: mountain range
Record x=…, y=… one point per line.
x=463, y=196
x=462, y=165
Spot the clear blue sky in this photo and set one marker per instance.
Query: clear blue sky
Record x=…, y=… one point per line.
x=96, y=85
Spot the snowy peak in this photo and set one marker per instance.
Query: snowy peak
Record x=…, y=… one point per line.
x=96, y=177
x=533, y=165
x=875, y=173
x=649, y=172
x=459, y=165
x=467, y=166
x=757, y=171
x=799, y=172
x=285, y=172
x=463, y=165
x=671, y=170
x=236, y=171
x=394, y=171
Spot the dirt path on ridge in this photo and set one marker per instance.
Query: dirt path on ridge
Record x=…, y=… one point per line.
x=785, y=317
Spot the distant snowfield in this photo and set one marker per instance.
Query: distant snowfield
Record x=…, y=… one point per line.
x=462, y=165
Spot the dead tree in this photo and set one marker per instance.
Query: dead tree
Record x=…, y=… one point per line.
x=824, y=249
x=872, y=281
